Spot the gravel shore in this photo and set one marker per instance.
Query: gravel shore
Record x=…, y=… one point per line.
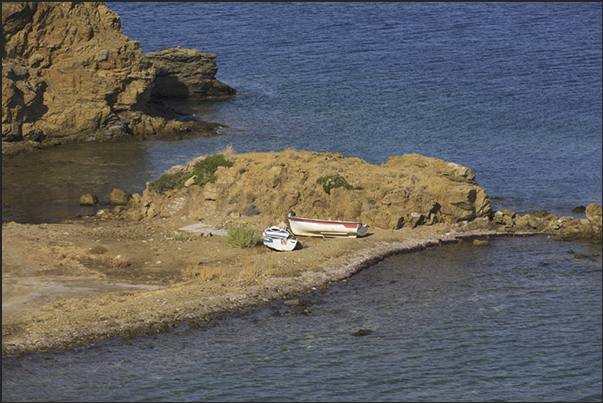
x=71, y=283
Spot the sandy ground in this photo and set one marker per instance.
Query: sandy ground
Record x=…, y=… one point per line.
x=70, y=283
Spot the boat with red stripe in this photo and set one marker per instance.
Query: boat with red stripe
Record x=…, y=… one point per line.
x=325, y=228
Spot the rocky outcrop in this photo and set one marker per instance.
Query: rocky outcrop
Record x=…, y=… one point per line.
x=566, y=227
x=186, y=74
x=69, y=74
x=263, y=188
x=407, y=191
x=67, y=70
x=593, y=215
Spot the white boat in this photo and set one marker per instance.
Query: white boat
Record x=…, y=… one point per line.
x=279, y=239
x=325, y=228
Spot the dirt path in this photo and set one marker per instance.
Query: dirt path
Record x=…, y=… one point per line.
x=65, y=284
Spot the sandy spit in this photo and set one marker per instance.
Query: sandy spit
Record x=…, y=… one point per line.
x=170, y=293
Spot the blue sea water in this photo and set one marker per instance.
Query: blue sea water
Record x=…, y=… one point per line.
x=517, y=321
x=511, y=90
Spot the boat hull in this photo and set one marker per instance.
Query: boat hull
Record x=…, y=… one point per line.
x=279, y=239
x=324, y=228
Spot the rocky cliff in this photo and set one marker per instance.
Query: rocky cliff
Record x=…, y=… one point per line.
x=262, y=188
x=69, y=73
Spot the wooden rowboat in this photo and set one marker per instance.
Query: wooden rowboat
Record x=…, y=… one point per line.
x=325, y=228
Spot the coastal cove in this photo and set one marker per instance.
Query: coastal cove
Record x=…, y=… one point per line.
x=466, y=136
x=411, y=202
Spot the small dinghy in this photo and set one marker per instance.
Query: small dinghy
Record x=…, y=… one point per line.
x=326, y=228
x=279, y=239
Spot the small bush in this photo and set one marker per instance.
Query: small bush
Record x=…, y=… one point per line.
x=242, y=236
x=334, y=181
x=182, y=180
x=206, y=169
x=168, y=181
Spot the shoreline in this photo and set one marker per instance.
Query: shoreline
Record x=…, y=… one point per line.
x=67, y=323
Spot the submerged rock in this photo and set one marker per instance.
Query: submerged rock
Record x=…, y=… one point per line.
x=362, y=332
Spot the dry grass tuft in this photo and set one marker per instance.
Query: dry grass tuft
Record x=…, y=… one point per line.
x=200, y=272
x=249, y=275
x=193, y=269
x=115, y=262
x=182, y=236
x=97, y=250
x=244, y=261
x=210, y=273
x=228, y=152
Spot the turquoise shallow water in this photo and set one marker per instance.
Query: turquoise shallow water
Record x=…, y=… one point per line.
x=511, y=90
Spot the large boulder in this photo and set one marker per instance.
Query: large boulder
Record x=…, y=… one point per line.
x=186, y=74
x=88, y=199
x=119, y=197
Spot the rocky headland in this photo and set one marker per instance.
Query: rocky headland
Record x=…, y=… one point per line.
x=260, y=189
x=69, y=74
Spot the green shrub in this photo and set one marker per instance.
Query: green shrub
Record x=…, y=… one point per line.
x=167, y=181
x=206, y=169
x=182, y=181
x=242, y=236
x=334, y=181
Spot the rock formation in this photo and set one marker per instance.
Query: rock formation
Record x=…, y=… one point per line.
x=407, y=191
x=186, y=74
x=566, y=227
x=263, y=188
x=69, y=73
